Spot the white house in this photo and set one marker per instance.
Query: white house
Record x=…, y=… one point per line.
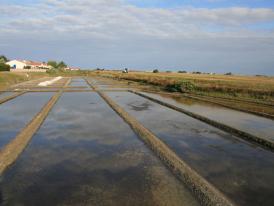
x=25, y=65
x=16, y=64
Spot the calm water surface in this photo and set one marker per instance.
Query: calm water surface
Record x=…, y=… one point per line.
x=5, y=94
x=16, y=113
x=78, y=82
x=242, y=171
x=84, y=154
x=250, y=123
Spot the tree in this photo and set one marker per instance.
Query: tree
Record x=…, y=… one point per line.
x=61, y=65
x=57, y=65
x=155, y=71
x=4, y=67
x=53, y=64
x=3, y=59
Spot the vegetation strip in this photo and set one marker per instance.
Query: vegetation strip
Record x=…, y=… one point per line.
x=231, y=107
x=11, y=97
x=265, y=143
x=206, y=193
x=11, y=151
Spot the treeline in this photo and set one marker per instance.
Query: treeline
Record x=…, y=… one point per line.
x=3, y=65
x=57, y=65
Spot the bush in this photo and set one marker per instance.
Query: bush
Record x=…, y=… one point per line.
x=27, y=67
x=183, y=86
x=4, y=67
x=155, y=71
x=53, y=71
x=182, y=72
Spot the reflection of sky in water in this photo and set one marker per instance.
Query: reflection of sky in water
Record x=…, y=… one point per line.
x=77, y=88
x=247, y=122
x=85, y=154
x=242, y=171
x=5, y=94
x=78, y=83
x=16, y=113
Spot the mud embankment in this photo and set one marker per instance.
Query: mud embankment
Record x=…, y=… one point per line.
x=11, y=97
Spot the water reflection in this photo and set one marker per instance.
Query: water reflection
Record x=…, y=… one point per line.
x=243, y=121
x=6, y=94
x=16, y=113
x=78, y=82
x=84, y=154
x=241, y=170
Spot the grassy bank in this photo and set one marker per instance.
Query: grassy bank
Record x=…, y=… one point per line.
x=216, y=85
x=7, y=78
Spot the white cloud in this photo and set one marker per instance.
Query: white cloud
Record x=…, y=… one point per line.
x=116, y=26
x=115, y=18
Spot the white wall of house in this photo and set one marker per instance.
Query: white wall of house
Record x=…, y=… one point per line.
x=15, y=64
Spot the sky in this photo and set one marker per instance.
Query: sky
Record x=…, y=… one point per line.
x=193, y=35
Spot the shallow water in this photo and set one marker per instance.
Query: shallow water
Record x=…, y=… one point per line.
x=85, y=154
x=242, y=171
x=250, y=123
x=77, y=88
x=103, y=87
x=5, y=94
x=78, y=82
x=16, y=113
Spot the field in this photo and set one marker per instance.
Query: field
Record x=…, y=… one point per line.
x=217, y=85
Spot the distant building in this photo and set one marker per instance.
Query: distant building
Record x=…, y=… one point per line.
x=37, y=65
x=16, y=64
x=25, y=65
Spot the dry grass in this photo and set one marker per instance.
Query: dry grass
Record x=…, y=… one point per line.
x=7, y=78
x=250, y=86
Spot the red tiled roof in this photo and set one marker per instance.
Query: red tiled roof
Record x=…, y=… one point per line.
x=32, y=63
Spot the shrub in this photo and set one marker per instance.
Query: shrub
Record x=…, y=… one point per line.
x=27, y=67
x=182, y=86
x=4, y=67
x=53, y=71
x=182, y=72
x=155, y=71
x=173, y=87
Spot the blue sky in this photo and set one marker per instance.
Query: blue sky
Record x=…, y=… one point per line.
x=205, y=35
